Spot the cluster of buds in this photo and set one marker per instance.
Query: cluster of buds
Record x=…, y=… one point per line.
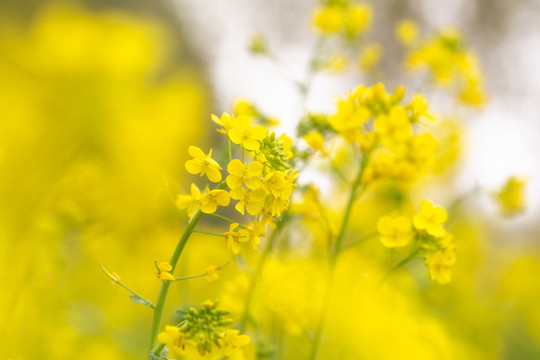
x=205, y=329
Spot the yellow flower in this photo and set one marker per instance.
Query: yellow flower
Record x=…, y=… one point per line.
x=211, y=199
x=190, y=202
x=243, y=106
x=212, y=273
x=287, y=143
x=203, y=164
x=276, y=183
x=418, y=107
x=252, y=201
x=163, y=273
x=422, y=150
x=233, y=238
x=367, y=141
x=394, y=127
x=370, y=56
x=395, y=231
x=255, y=230
x=328, y=19
x=349, y=118
x=511, y=197
x=246, y=135
x=278, y=205
x=431, y=219
x=231, y=342
x=315, y=140
x=239, y=174
x=175, y=340
x=440, y=264
x=358, y=19
x=407, y=31
x=226, y=120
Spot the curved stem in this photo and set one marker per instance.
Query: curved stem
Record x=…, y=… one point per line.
x=160, y=304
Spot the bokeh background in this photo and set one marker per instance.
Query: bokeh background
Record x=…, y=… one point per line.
x=98, y=103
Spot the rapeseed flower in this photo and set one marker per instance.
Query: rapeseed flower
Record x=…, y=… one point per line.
x=190, y=202
x=203, y=164
x=233, y=238
x=243, y=174
x=246, y=135
x=214, y=198
x=431, y=219
x=395, y=231
x=253, y=201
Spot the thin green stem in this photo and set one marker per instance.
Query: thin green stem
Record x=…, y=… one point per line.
x=230, y=150
x=223, y=218
x=258, y=270
x=401, y=263
x=359, y=241
x=207, y=233
x=353, y=196
x=118, y=282
x=199, y=275
x=160, y=304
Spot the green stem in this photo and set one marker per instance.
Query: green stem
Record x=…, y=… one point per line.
x=118, y=282
x=160, y=304
x=223, y=218
x=207, y=233
x=230, y=151
x=199, y=275
x=353, y=196
x=401, y=263
x=251, y=290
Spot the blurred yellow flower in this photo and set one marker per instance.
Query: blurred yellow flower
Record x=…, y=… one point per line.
x=440, y=265
x=175, y=340
x=395, y=231
x=511, y=197
x=203, y=164
x=431, y=219
x=212, y=273
x=232, y=341
x=190, y=202
x=407, y=31
x=226, y=120
x=370, y=55
x=315, y=140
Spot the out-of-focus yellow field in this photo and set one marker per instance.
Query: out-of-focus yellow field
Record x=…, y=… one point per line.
x=95, y=122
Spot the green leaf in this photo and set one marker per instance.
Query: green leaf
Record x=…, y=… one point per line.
x=140, y=300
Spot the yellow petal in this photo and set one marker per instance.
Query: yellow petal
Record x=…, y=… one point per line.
x=209, y=208
x=196, y=152
x=213, y=174
x=251, y=144
x=236, y=136
x=426, y=208
x=195, y=191
x=420, y=222
x=223, y=198
x=440, y=215
x=259, y=132
x=240, y=207
x=254, y=169
x=236, y=167
x=194, y=166
x=238, y=193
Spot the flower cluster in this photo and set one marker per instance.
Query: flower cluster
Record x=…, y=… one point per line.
x=261, y=181
x=426, y=232
x=449, y=60
x=342, y=16
x=395, y=136
x=205, y=329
